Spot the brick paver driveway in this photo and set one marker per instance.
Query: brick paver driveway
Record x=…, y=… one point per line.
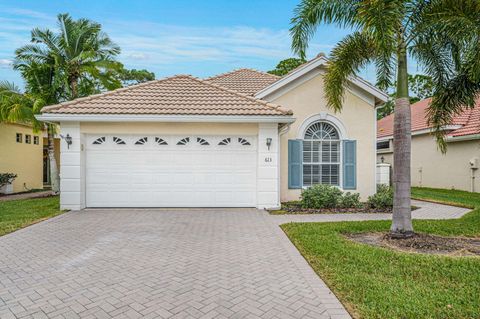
x=215, y=263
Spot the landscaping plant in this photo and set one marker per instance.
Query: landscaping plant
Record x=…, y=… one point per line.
x=383, y=198
x=7, y=178
x=326, y=196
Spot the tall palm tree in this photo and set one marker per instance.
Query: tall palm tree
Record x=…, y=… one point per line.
x=77, y=61
x=80, y=50
x=443, y=36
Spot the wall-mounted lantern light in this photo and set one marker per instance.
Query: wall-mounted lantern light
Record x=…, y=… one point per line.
x=68, y=140
x=382, y=159
x=269, y=142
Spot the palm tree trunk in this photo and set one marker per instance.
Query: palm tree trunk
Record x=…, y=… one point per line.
x=402, y=216
x=74, y=88
x=54, y=176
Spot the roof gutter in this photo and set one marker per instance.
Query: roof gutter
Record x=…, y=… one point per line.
x=47, y=117
x=462, y=138
x=423, y=131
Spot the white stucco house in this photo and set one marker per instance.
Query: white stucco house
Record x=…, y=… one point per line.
x=239, y=139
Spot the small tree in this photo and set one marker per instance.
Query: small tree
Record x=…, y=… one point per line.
x=287, y=65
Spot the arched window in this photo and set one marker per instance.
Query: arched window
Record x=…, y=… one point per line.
x=321, y=154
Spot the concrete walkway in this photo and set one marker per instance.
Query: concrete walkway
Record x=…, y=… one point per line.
x=39, y=194
x=426, y=210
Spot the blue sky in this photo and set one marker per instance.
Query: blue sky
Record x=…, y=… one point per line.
x=195, y=37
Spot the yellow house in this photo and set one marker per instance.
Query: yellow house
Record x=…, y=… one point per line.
x=22, y=152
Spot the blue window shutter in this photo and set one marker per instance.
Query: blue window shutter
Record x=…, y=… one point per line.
x=349, y=164
x=295, y=164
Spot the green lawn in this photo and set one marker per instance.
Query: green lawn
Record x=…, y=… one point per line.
x=17, y=214
x=380, y=283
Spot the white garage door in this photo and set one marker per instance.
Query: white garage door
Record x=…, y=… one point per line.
x=170, y=171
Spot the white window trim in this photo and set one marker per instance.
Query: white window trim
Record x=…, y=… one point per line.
x=322, y=117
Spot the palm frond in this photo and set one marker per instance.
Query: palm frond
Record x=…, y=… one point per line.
x=457, y=95
x=310, y=13
x=348, y=57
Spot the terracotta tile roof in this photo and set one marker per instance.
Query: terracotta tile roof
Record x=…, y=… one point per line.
x=469, y=120
x=177, y=95
x=246, y=81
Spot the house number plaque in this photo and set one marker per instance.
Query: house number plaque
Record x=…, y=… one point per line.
x=268, y=159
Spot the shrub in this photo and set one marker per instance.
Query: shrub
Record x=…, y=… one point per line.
x=321, y=196
x=6, y=178
x=326, y=196
x=350, y=200
x=383, y=198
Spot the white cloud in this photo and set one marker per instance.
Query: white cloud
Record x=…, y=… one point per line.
x=169, y=48
x=5, y=63
x=167, y=44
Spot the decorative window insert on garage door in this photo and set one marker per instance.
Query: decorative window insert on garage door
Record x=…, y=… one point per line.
x=170, y=171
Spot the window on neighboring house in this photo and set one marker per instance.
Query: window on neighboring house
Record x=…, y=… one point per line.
x=19, y=137
x=36, y=140
x=321, y=155
x=383, y=145
x=28, y=139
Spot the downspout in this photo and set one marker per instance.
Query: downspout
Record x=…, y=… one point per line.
x=472, y=186
x=473, y=167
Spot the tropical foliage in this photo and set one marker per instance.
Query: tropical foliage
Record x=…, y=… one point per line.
x=287, y=65
x=420, y=87
x=79, y=52
x=442, y=35
x=77, y=60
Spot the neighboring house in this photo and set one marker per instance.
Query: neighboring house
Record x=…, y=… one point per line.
x=24, y=152
x=21, y=153
x=240, y=139
x=457, y=169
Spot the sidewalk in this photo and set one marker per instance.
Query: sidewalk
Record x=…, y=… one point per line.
x=5, y=198
x=426, y=210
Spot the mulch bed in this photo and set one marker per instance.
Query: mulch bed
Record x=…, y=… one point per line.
x=422, y=243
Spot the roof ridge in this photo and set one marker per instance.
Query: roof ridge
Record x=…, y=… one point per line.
x=221, y=75
x=268, y=104
x=106, y=93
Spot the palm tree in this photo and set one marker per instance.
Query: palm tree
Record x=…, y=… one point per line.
x=80, y=50
x=76, y=61
x=443, y=36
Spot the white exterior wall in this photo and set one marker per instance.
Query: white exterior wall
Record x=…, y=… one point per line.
x=71, y=169
x=72, y=172
x=268, y=169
